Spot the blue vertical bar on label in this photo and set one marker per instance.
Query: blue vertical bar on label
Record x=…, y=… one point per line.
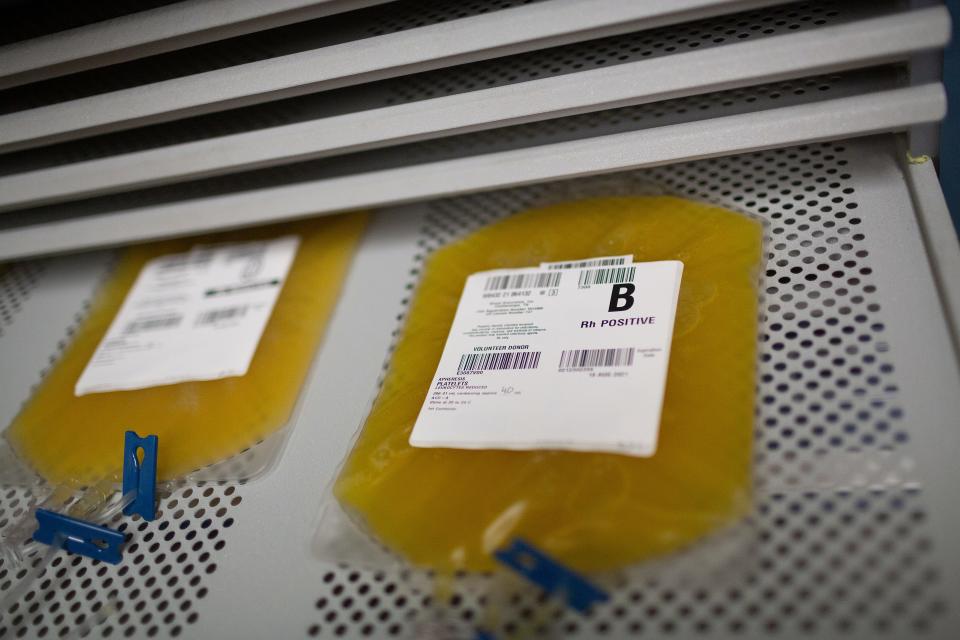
x=550, y=575
x=140, y=476
x=80, y=537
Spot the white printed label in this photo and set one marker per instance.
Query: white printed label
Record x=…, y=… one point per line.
x=191, y=316
x=555, y=358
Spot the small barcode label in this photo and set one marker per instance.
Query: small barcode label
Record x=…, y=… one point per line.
x=523, y=281
x=607, y=276
x=582, y=358
x=149, y=324
x=583, y=264
x=216, y=315
x=499, y=360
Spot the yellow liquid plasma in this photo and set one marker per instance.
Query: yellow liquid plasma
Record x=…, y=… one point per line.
x=448, y=509
x=74, y=440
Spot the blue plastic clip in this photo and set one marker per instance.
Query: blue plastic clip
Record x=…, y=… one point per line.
x=139, y=477
x=84, y=538
x=549, y=574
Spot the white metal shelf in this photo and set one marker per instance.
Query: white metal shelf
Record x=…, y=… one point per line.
x=145, y=33
x=496, y=73
x=482, y=36
x=260, y=45
x=861, y=42
x=869, y=513
x=866, y=103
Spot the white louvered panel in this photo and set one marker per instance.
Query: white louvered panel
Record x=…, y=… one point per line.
x=476, y=37
x=130, y=217
x=137, y=35
x=859, y=42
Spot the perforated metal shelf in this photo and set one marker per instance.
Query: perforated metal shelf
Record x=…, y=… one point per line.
x=853, y=530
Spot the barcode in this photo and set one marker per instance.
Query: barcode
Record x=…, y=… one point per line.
x=163, y=322
x=607, y=276
x=499, y=360
x=523, y=281
x=216, y=315
x=583, y=264
x=580, y=358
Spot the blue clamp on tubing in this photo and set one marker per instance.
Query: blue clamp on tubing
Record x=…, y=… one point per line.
x=78, y=536
x=140, y=477
x=553, y=577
